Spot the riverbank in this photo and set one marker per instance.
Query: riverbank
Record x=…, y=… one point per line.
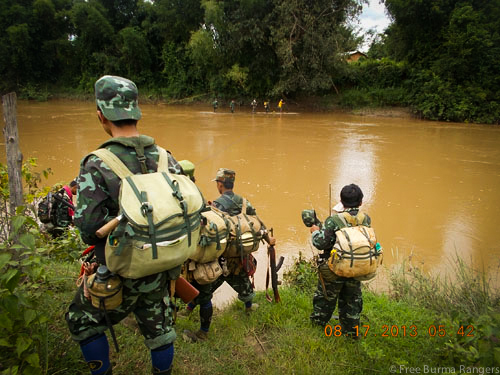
x=327, y=103
x=397, y=332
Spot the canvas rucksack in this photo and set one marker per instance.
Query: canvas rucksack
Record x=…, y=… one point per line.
x=354, y=253
x=214, y=235
x=161, y=212
x=244, y=233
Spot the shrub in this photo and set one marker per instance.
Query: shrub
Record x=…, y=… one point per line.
x=23, y=253
x=22, y=326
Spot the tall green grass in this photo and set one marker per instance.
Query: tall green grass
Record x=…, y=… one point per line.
x=466, y=298
x=462, y=290
x=278, y=338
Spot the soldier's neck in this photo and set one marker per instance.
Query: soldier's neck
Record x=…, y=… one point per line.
x=124, y=131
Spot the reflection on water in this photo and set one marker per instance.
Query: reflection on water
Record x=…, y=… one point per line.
x=430, y=188
x=356, y=164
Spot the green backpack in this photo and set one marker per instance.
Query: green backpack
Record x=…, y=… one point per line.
x=160, y=227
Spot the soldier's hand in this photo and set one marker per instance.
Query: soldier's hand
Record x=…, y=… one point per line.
x=272, y=241
x=314, y=228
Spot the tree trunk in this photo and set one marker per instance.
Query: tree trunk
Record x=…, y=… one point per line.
x=14, y=155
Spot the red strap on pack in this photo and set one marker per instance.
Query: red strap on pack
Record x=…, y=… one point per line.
x=88, y=250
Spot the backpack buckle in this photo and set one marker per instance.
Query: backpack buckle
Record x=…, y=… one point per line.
x=146, y=208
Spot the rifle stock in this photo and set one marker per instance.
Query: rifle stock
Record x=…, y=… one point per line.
x=108, y=227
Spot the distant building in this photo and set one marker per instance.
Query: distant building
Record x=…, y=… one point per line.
x=354, y=56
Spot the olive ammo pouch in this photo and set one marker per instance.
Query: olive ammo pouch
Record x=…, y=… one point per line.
x=161, y=219
x=205, y=273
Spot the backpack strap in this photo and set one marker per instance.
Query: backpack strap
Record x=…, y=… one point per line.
x=352, y=221
x=228, y=203
x=162, y=159
x=113, y=162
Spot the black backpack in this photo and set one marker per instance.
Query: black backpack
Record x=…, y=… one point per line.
x=46, y=208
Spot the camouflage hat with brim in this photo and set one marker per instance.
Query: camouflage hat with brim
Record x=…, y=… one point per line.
x=224, y=174
x=116, y=97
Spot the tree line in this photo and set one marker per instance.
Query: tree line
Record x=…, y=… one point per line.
x=438, y=57
x=177, y=47
x=447, y=55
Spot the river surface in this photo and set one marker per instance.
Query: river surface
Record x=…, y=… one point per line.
x=431, y=188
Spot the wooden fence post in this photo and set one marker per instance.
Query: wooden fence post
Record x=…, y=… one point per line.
x=14, y=155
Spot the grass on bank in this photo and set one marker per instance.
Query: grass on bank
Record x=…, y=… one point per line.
x=278, y=338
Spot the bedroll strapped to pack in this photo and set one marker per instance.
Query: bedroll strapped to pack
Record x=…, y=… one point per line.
x=244, y=233
x=213, y=236
x=161, y=212
x=354, y=253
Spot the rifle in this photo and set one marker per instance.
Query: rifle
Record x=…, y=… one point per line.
x=275, y=267
x=63, y=201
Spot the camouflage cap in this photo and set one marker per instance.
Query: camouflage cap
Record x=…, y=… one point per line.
x=117, y=98
x=224, y=174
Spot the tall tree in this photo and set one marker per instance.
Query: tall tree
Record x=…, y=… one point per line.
x=310, y=37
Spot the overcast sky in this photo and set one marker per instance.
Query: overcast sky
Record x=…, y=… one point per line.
x=373, y=17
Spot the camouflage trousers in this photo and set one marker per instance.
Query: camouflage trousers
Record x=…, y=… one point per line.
x=350, y=299
x=237, y=279
x=205, y=295
x=147, y=298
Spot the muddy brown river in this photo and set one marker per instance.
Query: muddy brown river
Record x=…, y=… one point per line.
x=431, y=188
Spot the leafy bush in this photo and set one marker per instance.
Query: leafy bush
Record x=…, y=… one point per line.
x=22, y=326
x=302, y=274
x=32, y=193
x=375, y=97
x=67, y=247
x=369, y=73
x=437, y=98
x=32, y=91
x=24, y=250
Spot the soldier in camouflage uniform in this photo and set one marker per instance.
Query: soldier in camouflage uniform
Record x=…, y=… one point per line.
x=330, y=286
x=232, y=204
x=98, y=192
x=237, y=278
x=63, y=215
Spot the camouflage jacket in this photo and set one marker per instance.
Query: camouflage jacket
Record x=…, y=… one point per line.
x=232, y=204
x=99, y=187
x=324, y=239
